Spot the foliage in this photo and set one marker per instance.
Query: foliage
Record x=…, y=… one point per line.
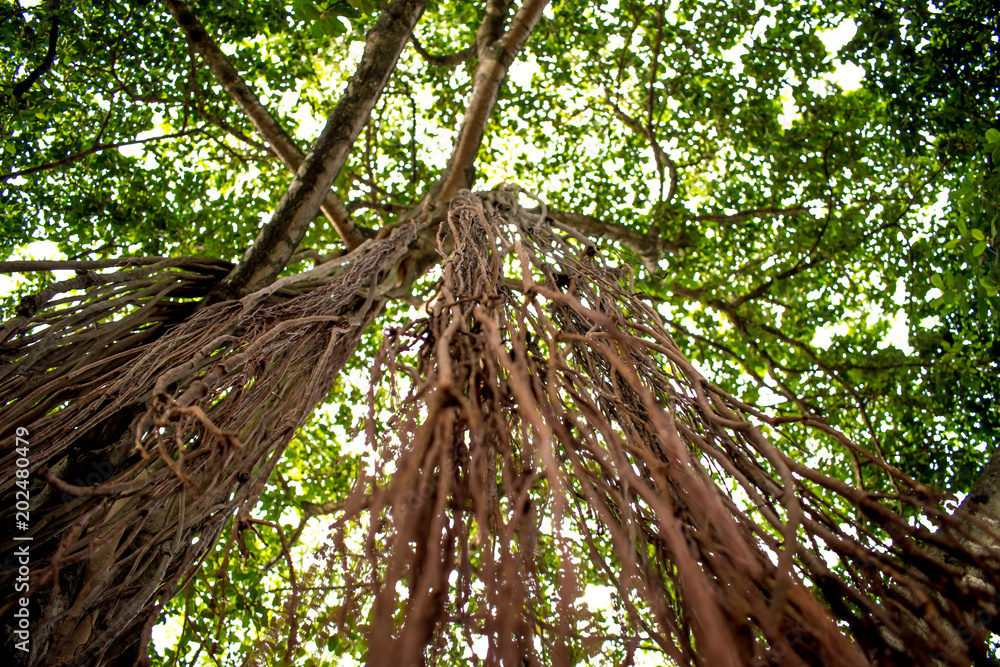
x=837, y=248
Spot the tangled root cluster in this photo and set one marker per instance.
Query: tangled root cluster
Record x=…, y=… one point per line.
x=547, y=435
x=168, y=419
x=548, y=432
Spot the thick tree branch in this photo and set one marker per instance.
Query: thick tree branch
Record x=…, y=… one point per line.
x=495, y=56
x=492, y=26
x=280, y=141
x=22, y=266
x=496, y=50
x=647, y=247
x=280, y=236
x=983, y=501
x=21, y=89
x=643, y=245
x=446, y=60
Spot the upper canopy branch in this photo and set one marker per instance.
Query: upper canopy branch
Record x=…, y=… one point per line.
x=267, y=126
x=446, y=60
x=492, y=26
x=96, y=148
x=495, y=56
x=278, y=239
x=647, y=247
x=496, y=51
x=740, y=216
x=650, y=248
x=23, y=86
x=663, y=161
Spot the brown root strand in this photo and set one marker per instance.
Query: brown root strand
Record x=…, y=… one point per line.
x=562, y=427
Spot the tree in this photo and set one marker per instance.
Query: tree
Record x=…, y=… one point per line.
x=541, y=426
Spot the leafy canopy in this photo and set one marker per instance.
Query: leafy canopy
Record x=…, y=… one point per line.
x=813, y=246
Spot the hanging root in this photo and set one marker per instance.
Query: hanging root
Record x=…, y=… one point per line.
x=168, y=432
x=548, y=434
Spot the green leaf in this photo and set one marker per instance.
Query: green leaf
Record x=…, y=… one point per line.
x=979, y=249
x=309, y=11
x=937, y=282
x=992, y=136
x=332, y=25
x=978, y=234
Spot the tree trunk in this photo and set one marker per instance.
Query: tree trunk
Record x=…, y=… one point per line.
x=178, y=431
x=154, y=423
x=183, y=427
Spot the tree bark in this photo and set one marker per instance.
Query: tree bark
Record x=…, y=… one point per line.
x=495, y=56
x=22, y=87
x=297, y=208
x=232, y=384
x=267, y=126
